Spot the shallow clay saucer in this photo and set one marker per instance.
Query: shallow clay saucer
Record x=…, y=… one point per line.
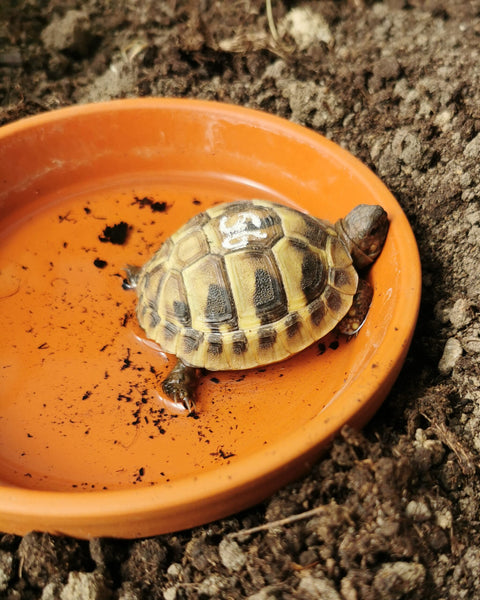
x=86, y=446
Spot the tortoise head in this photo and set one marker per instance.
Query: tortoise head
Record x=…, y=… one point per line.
x=364, y=231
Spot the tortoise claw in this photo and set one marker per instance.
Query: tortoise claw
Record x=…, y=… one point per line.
x=130, y=281
x=178, y=396
x=180, y=385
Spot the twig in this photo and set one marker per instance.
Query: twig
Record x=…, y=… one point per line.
x=281, y=48
x=279, y=523
x=271, y=21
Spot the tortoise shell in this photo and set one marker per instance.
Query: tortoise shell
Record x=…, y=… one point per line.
x=245, y=284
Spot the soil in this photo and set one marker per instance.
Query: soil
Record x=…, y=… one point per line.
x=391, y=512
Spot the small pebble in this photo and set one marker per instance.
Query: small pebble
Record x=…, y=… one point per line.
x=170, y=593
x=407, y=147
x=174, y=570
x=85, y=586
x=270, y=592
x=6, y=569
x=306, y=27
x=394, y=580
x=451, y=353
x=444, y=518
x=70, y=33
x=51, y=591
x=348, y=590
x=472, y=149
x=387, y=67
x=313, y=588
x=212, y=586
x=231, y=555
x=418, y=511
x=460, y=313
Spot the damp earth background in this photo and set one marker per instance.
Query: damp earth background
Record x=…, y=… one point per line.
x=396, y=507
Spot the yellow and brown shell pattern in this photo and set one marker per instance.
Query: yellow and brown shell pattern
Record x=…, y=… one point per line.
x=245, y=284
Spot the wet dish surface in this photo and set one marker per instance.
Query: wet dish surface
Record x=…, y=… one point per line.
x=87, y=447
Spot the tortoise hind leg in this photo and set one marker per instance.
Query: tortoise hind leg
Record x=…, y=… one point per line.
x=180, y=385
x=354, y=319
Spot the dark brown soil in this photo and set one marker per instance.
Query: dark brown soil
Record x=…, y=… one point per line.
x=397, y=507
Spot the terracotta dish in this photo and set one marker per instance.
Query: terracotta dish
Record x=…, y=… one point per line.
x=86, y=446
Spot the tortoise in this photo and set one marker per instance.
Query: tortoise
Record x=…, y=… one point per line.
x=248, y=283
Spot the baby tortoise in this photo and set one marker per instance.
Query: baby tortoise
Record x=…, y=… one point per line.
x=249, y=283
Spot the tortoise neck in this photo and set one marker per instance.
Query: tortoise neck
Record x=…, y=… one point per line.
x=359, y=258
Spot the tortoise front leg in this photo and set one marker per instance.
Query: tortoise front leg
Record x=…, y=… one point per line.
x=354, y=319
x=133, y=273
x=180, y=385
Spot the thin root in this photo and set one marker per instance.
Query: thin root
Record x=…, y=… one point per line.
x=271, y=21
x=279, y=523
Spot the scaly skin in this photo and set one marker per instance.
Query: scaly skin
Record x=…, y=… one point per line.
x=354, y=319
x=180, y=385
